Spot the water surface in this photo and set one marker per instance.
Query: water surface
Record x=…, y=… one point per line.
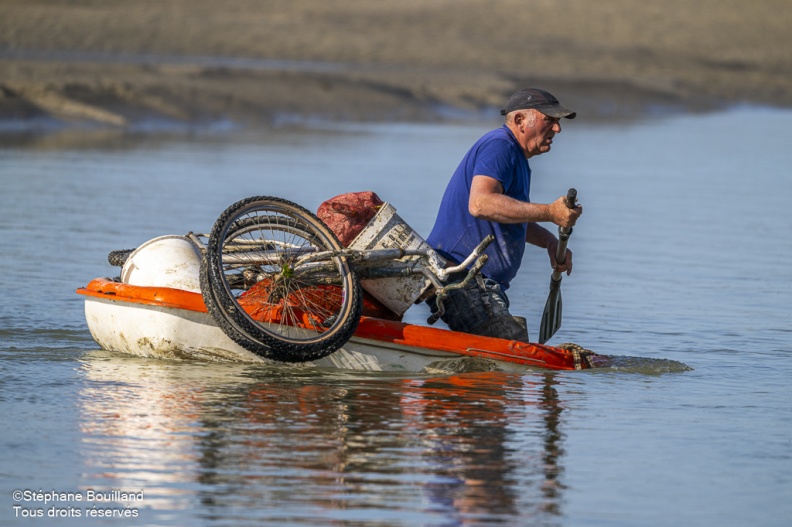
x=681, y=258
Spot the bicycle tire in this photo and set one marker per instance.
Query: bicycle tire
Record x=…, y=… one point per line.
x=283, y=313
x=119, y=258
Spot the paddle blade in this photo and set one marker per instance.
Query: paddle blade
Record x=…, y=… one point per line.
x=551, y=317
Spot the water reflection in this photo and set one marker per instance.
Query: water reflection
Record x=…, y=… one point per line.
x=232, y=443
x=138, y=423
x=482, y=434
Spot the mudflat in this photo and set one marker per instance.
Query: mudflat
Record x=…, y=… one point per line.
x=119, y=62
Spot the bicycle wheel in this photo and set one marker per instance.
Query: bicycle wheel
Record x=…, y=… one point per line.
x=268, y=288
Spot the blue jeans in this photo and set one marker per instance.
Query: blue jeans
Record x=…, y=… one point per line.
x=472, y=309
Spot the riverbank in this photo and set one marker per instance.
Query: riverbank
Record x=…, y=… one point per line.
x=119, y=64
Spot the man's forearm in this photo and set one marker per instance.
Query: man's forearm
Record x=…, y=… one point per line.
x=504, y=209
x=539, y=236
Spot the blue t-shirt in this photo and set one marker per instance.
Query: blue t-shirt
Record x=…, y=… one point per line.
x=456, y=232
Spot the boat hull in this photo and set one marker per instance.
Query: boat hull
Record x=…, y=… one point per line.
x=170, y=323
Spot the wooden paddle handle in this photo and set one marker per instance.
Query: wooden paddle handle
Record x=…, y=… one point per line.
x=564, y=233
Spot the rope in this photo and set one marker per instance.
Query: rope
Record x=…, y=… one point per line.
x=581, y=355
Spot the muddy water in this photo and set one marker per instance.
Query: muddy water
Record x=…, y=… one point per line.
x=681, y=258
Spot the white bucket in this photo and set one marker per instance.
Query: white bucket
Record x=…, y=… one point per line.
x=388, y=230
x=167, y=261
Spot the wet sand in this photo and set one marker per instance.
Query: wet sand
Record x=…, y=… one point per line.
x=192, y=61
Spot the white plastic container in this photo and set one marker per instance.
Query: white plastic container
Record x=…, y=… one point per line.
x=167, y=261
x=388, y=230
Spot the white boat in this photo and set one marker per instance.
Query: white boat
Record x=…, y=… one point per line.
x=143, y=314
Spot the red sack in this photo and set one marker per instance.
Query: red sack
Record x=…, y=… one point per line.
x=348, y=214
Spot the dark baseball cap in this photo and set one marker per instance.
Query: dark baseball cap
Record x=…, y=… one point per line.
x=538, y=100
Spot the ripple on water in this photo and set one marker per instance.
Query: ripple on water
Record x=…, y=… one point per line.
x=640, y=365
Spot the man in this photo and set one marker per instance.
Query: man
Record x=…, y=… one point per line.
x=489, y=194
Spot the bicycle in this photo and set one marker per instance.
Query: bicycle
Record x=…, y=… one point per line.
x=278, y=282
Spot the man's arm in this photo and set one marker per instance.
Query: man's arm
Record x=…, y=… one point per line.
x=541, y=237
x=488, y=202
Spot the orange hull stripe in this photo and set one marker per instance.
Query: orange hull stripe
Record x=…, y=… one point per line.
x=151, y=296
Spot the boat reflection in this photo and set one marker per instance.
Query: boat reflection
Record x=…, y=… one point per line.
x=299, y=445
x=139, y=420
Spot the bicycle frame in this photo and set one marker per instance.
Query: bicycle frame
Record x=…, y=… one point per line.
x=310, y=263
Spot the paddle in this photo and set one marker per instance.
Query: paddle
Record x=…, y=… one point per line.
x=551, y=318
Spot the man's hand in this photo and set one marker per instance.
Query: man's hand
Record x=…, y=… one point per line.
x=566, y=266
x=562, y=215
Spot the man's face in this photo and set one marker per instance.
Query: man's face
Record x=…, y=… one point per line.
x=537, y=131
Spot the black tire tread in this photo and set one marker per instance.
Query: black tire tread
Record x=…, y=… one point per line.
x=230, y=317
x=119, y=258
